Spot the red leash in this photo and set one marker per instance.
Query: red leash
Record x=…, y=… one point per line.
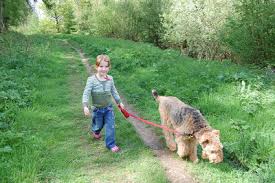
x=127, y=115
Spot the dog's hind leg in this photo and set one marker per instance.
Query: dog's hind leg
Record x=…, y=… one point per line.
x=169, y=137
x=171, y=144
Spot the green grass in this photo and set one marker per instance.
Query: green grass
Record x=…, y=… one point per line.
x=237, y=100
x=48, y=140
x=44, y=135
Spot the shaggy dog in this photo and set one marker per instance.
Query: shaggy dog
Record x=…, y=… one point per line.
x=192, y=129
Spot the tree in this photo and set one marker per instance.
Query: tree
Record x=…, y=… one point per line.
x=51, y=9
x=2, y=25
x=68, y=18
x=151, y=20
x=12, y=13
x=62, y=13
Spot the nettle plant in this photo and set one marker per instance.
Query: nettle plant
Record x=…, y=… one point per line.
x=252, y=99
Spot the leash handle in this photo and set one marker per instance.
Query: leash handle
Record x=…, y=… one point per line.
x=124, y=112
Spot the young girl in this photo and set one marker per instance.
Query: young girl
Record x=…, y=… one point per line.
x=101, y=87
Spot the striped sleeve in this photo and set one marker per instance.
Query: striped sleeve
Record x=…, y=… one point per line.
x=114, y=92
x=87, y=92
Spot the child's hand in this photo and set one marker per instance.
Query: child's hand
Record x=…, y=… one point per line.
x=125, y=113
x=86, y=111
x=121, y=105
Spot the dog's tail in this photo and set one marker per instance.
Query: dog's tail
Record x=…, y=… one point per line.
x=155, y=94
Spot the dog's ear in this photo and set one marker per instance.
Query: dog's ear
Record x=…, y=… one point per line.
x=205, y=142
x=216, y=132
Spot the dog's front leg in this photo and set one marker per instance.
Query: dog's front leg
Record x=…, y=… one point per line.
x=193, y=150
x=183, y=146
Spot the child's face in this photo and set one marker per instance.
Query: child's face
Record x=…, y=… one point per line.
x=103, y=68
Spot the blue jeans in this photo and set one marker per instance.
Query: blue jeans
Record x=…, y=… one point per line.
x=104, y=116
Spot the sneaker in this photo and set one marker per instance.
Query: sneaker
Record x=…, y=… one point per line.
x=115, y=149
x=96, y=136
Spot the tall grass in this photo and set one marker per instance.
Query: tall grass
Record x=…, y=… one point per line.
x=237, y=100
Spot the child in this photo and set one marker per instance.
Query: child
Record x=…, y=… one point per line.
x=101, y=87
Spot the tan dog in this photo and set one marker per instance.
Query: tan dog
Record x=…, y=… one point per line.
x=193, y=129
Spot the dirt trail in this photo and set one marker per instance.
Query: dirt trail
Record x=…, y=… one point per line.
x=175, y=169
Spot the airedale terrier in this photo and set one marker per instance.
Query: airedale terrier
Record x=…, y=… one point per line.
x=192, y=128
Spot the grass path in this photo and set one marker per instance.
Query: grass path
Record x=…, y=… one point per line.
x=49, y=141
x=212, y=87
x=82, y=159
x=175, y=168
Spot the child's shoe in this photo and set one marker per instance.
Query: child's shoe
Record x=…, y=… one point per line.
x=115, y=149
x=96, y=136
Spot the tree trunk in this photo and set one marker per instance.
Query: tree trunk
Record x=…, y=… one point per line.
x=2, y=25
x=56, y=17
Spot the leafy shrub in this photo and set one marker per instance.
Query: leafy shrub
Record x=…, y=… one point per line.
x=15, y=91
x=18, y=71
x=194, y=26
x=250, y=34
x=252, y=148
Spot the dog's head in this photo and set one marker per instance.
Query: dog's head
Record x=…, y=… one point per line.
x=211, y=146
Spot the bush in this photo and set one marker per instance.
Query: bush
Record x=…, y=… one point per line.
x=250, y=32
x=193, y=26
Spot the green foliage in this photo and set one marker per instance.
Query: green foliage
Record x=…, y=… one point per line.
x=250, y=34
x=48, y=140
x=240, y=30
x=12, y=13
x=194, y=25
x=251, y=100
x=253, y=148
x=150, y=20
x=86, y=12
x=134, y=20
x=19, y=74
x=15, y=92
x=32, y=25
x=60, y=14
x=42, y=136
x=46, y=26
x=68, y=18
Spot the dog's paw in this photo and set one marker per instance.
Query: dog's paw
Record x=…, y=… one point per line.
x=195, y=161
x=204, y=155
x=172, y=147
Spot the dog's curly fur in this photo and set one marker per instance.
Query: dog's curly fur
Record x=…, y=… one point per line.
x=192, y=127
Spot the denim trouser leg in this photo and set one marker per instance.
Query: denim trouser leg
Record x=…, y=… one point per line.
x=101, y=117
x=109, y=121
x=97, y=121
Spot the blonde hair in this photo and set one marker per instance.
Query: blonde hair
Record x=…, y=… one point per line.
x=101, y=58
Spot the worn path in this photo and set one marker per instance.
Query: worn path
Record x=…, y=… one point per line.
x=175, y=168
